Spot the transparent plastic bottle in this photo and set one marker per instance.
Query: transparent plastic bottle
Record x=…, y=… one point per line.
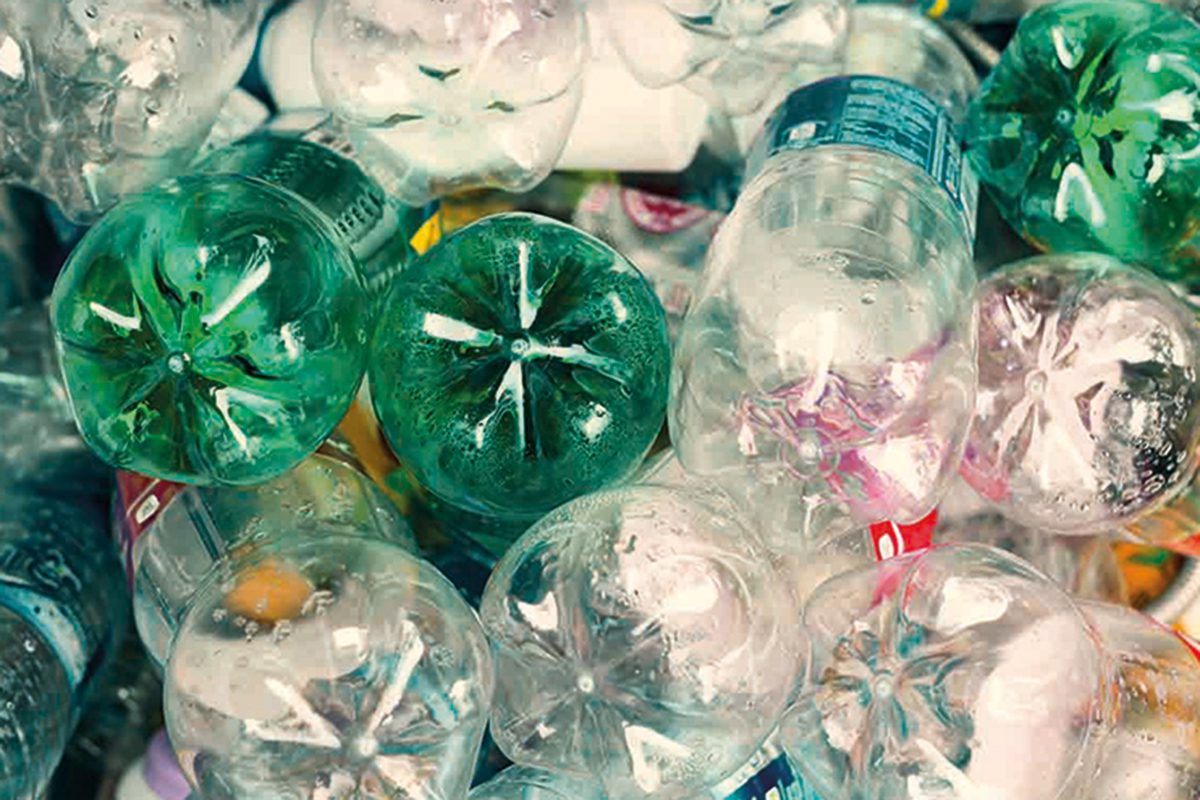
x=105, y=98
x=39, y=442
x=644, y=639
x=828, y=364
x=958, y=672
x=1152, y=748
x=731, y=52
x=306, y=648
x=461, y=93
x=62, y=607
x=214, y=330
x=1088, y=413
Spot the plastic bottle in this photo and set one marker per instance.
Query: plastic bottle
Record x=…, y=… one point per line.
x=518, y=365
x=957, y=672
x=105, y=98
x=304, y=644
x=632, y=630
x=828, y=364
x=1088, y=415
x=660, y=128
x=38, y=439
x=1086, y=131
x=62, y=607
x=1152, y=748
x=215, y=329
x=458, y=95
x=732, y=52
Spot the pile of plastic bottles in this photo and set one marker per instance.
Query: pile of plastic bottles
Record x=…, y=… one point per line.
x=553, y=400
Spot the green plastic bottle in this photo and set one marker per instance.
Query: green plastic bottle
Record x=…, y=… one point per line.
x=1087, y=133
x=214, y=329
x=518, y=365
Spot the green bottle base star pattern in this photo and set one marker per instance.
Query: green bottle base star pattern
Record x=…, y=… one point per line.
x=212, y=330
x=1087, y=133
x=519, y=364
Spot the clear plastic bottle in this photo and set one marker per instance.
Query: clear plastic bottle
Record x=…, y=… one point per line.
x=39, y=442
x=306, y=648
x=108, y=97
x=828, y=364
x=214, y=330
x=960, y=672
x=643, y=638
x=461, y=93
x=62, y=607
x=1152, y=749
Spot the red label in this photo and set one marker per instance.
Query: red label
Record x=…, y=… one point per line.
x=142, y=500
x=891, y=539
x=655, y=214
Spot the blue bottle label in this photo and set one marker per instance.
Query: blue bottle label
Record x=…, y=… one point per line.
x=776, y=781
x=879, y=113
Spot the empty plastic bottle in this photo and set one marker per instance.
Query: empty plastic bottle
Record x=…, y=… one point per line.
x=957, y=672
x=62, y=607
x=1151, y=748
x=732, y=52
x=1088, y=412
x=20, y=220
x=39, y=442
x=632, y=630
x=106, y=97
x=520, y=364
x=306, y=648
x=1086, y=132
x=830, y=351
x=460, y=94
x=215, y=329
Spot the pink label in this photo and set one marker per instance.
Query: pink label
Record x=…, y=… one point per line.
x=141, y=499
x=656, y=214
x=891, y=539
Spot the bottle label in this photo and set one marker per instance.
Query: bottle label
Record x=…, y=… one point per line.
x=140, y=501
x=878, y=113
x=891, y=539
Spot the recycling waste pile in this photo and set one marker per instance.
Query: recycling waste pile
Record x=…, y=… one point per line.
x=599, y=400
